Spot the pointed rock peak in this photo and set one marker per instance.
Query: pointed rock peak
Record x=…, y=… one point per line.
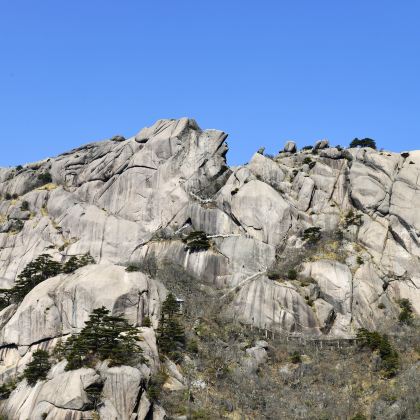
x=167, y=128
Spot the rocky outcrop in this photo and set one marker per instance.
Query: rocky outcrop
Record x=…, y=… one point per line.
x=61, y=305
x=133, y=201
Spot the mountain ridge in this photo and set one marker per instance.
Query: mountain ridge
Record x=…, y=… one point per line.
x=314, y=243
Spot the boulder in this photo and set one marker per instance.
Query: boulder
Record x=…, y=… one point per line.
x=290, y=147
x=321, y=144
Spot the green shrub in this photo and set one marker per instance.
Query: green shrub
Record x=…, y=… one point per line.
x=93, y=393
x=197, y=241
x=307, y=160
x=312, y=235
x=24, y=206
x=353, y=219
x=155, y=385
x=359, y=416
x=146, y=322
x=37, y=369
x=307, y=147
x=406, y=314
x=19, y=168
x=6, y=389
x=192, y=346
x=132, y=269
x=8, y=196
x=16, y=226
x=379, y=342
x=273, y=274
x=45, y=178
x=292, y=274
x=295, y=357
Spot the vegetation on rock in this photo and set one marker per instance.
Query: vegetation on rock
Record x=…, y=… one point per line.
x=197, y=241
x=37, y=271
x=312, y=235
x=24, y=206
x=6, y=388
x=104, y=337
x=366, y=142
x=352, y=218
x=76, y=262
x=406, y=314
x=170, y=333
x=37, y=369
x=380, y=342
x=45, y=178
x=155, y=385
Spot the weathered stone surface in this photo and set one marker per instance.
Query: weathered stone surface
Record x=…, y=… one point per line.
x=62, y=304
x=331, y=153
x=321, y=144
x=290, y=147
x=133, y=201
x=273, y=306
x=255, y=357
x=262, y=212
x=266, y=170
x=121, y=389
x=58, y=397
x=335, y=282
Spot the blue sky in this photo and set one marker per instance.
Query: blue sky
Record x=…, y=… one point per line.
x=263, y=71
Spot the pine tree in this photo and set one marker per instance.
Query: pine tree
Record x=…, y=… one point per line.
x=42, y=268
x=34, y=273
x=406, y=314
x=104, y=337
x=6, y=297
x=366, y=142
x=37, y=369
x=171, y=336
x=197, y=241
x=76, y=262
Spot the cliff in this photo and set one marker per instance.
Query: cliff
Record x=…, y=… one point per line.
x=312, y=244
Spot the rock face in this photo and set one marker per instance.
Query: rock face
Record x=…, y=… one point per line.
x=132, y=201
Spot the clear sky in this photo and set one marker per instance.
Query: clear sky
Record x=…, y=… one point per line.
x=264, y=71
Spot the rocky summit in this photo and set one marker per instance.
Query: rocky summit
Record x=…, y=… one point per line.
x=305, y=248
